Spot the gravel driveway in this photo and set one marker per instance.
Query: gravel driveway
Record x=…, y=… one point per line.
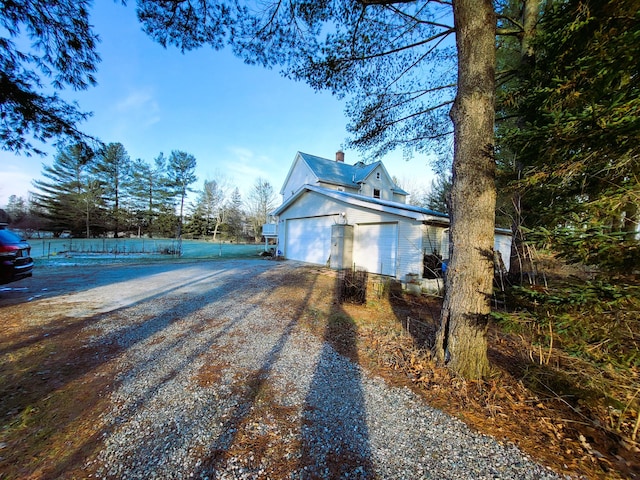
x=216, y=379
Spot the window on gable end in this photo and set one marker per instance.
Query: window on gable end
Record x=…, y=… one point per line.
x=376, y=193
x=378, y=175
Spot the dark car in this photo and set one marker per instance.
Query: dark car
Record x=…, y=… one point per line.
x=15, y=257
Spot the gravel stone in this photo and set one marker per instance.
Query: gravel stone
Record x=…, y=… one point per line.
x=210, y=364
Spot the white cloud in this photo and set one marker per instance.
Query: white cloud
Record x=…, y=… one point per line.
x=246, y=166
x=139, y=107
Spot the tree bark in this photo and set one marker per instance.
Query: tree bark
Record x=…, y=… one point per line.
x=461, y=341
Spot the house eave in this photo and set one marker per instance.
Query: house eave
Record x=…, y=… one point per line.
x=394, y=208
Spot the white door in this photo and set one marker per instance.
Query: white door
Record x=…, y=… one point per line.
x=309, y=239
x=375, y=247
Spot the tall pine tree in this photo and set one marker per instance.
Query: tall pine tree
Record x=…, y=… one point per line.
x=69, y=196
x=573, y=153
x=112, y=170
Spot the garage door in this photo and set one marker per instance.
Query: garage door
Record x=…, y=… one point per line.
x=309, y=239
x=375, y=247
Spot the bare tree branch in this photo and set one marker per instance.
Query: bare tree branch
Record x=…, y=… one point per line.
x=511, y=20
x=414, y=18
x=399, y=49
x=393, y=2
x=422, y=57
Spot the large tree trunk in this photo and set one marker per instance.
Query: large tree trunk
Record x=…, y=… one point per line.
x=461, y=341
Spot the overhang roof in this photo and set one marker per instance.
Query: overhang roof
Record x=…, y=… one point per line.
x=354, y=199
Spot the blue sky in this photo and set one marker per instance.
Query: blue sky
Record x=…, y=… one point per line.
x=239, y=121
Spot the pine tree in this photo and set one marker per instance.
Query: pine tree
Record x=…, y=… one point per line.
x=573, y=156
x=148, y=191
x=235, y=216
x=439, y=196
x=69, y=197
x=62, y=49
x=112, y=169
x=180, y=177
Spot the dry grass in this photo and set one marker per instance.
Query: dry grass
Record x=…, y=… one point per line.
x=553, y=405
x=52, y=391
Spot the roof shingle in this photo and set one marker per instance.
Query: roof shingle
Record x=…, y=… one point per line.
x=338, y=173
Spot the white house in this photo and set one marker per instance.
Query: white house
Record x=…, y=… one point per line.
x=344, y=215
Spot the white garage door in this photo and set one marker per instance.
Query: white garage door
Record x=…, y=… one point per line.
x=375, y=247
x=309, y=239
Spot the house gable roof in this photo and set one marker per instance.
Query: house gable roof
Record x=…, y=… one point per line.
x=386, y=206
x=337, y=173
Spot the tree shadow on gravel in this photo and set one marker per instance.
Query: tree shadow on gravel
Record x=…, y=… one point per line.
x=49, y=326
x=332, y=438
x=54, y=378
x=218, y=456
x=335, y=436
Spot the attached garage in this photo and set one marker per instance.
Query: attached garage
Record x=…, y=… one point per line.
x=309, y=239
x=385, y=237
x=375, y=247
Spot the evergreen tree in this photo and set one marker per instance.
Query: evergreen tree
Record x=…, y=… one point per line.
x=439, y=195
x=166, y=222
x=235, y=216
x=180, y=175
x=16, y=209
x=113, y=170
x=69, y=197
x=211, y=208
x=148, y=191
x=572, y=157
x=63, y=49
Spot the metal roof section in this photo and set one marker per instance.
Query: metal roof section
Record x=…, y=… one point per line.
x=387, y=206
x=337, y=173
x=399, y=191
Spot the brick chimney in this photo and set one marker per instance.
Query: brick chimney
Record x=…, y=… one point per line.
x=340, y=156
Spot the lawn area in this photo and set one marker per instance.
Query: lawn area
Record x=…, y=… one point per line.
x=80, y=250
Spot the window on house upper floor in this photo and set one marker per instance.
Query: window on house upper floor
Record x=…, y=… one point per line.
x=378, y=175
x=376, y=193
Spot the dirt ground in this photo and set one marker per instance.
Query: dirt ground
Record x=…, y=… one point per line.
x=54, y=385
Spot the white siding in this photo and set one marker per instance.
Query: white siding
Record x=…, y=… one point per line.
x=409, y=248
x=445, y=244
x=409, y=232
x=300, y=175
x=399, y=198
x=384, y=184
x=503, y=245
x=432, y=239
x=309, y=239
x=375, y=247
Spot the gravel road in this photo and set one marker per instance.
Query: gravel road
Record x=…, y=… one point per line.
x=217, y=380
